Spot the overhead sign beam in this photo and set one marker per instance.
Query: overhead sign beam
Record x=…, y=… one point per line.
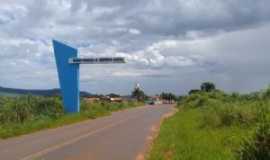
x=103, y=60
x=68, y=65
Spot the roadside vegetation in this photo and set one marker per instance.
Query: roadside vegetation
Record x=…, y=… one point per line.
x=25, y=114
x=213, y=125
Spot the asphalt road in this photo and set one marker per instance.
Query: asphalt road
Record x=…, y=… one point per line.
x=121, y=136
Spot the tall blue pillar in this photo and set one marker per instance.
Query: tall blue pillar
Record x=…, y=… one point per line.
x=68, y=75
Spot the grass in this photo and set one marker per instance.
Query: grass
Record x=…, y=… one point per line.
x=215, y=126
x=183, y=138
x=43, y=121
x=14, y=129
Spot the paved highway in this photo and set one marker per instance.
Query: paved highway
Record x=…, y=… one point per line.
x=121, y=136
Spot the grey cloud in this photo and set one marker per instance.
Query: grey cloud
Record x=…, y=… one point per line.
x=168, y=43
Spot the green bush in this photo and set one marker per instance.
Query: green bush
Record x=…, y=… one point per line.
x=222, y=110
x=24, y=108
x=258, y=147
x=215, y=125
x=51, y=107
x=15, y=110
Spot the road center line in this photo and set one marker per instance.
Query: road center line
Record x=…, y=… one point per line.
x=74, y=140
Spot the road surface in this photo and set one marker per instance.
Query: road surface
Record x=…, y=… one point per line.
x=121, y=136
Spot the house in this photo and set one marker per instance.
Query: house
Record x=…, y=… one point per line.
x=115, y=99
x=92, y=99
x=112, y=99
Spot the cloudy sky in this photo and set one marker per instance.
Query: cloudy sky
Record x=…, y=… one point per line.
x=170, y=45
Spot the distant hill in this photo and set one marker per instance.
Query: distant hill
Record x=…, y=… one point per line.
x=48, y=92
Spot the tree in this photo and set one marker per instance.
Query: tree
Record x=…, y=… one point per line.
x=208, y=87
x=193, y=91
x=168, y=96
x=139, y=94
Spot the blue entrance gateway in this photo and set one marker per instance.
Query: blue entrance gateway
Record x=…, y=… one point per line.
x=67, y=63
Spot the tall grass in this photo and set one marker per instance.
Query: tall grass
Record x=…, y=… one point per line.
x=183, y=138
x=25, y=108
x=216, y=125
x=25, y=114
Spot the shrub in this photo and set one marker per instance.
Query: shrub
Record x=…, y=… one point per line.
x=194, y=91
x=23, y=108
x=257, y=148
x=221, y=110
x=15, y=110
x=266, y=93
x=51, y=107
x=194, y=101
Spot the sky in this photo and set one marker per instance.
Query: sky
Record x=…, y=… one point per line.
x=170, y=46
